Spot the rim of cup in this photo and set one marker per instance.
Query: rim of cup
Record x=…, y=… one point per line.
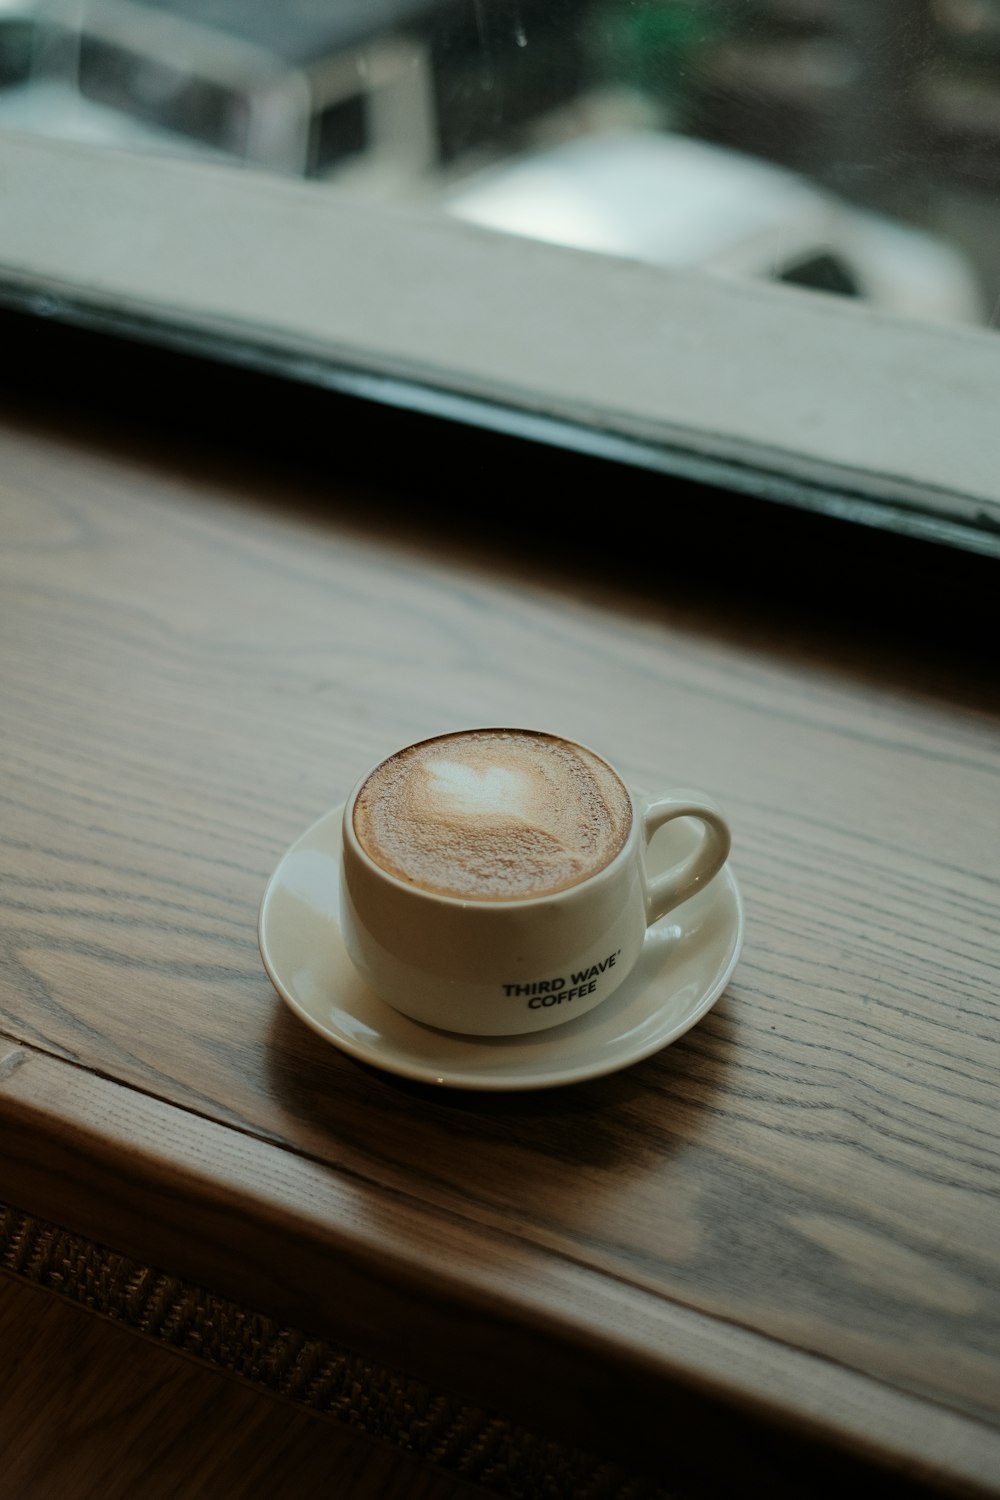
x=489, y=903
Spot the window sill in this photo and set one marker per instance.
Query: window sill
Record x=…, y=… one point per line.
x=774, y=392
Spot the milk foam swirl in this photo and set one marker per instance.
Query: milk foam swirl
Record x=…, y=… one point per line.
x=493, y=814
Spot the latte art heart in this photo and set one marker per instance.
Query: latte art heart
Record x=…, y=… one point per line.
x=467, y=790
x=493, y=814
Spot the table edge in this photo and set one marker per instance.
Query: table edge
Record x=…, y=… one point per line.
x=176, y=1193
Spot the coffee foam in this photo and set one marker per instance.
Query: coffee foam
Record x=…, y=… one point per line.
x=493, y=815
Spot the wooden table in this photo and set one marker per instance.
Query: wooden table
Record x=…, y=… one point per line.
x=769, y=1251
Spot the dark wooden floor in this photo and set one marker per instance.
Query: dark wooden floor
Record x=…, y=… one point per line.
x=92, y=1411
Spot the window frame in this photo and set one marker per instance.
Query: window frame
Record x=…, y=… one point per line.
x=775, y=392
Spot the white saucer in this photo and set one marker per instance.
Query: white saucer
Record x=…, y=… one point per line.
x=686, y=964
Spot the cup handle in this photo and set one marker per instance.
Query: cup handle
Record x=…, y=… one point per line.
x=691, y=874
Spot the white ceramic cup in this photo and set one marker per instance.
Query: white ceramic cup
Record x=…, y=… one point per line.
x=487, y=962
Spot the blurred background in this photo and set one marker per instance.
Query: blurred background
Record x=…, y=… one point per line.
x=848, y=147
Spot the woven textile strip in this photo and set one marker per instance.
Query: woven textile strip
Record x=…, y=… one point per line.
x=476, y=1445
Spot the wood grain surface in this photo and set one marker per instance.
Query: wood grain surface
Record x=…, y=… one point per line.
x=200, y=657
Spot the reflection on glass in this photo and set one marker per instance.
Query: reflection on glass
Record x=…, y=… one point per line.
x=848, y=146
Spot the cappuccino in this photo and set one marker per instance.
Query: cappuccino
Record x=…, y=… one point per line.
x=493, y=815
